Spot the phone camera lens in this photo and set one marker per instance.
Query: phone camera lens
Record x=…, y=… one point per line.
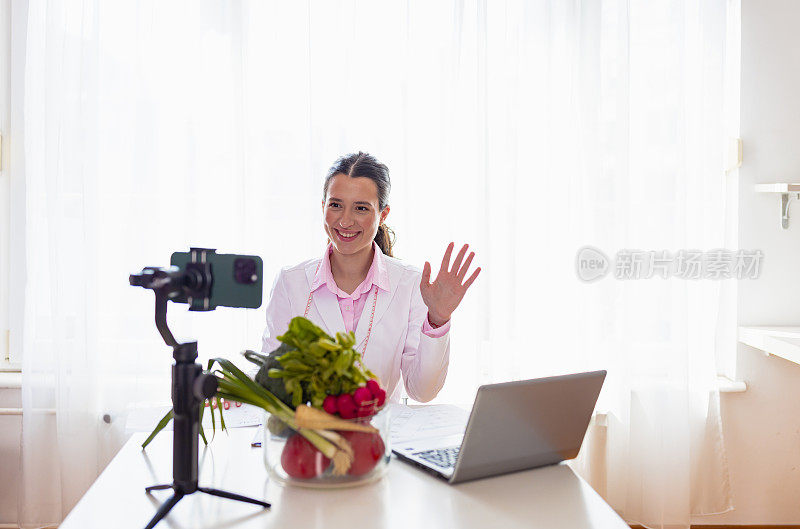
x=244, y=271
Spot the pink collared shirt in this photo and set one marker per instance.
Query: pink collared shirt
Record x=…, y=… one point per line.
x=352, y=305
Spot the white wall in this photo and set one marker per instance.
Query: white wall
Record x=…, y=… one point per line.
x=762, y=425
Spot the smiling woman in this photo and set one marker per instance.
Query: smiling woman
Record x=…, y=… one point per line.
x=409, y=317
x=355, y=208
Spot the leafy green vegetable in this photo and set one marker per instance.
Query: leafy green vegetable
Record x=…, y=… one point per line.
x=235, y=386
x=308, y=366
x=267, y=362
x=314, y=364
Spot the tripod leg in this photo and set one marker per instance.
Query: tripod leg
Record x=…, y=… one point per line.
x=232, y=496
x=164, y=509
x=157, y=487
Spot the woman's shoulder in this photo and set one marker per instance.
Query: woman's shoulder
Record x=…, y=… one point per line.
x=299, y=269
x=402, y=271
x=302, y=265
x=401, y=265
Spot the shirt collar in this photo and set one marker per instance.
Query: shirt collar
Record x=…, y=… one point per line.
x=377, y=275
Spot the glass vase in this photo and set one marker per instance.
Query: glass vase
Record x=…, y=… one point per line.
x=291, y=459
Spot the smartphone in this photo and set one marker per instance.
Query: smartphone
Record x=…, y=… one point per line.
x=227, y=280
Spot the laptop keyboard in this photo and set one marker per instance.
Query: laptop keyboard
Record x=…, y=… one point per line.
x=442, y=457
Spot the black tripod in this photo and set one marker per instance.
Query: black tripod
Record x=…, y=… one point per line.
x=190, y=388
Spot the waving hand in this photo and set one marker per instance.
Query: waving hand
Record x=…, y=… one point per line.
x=448, y=289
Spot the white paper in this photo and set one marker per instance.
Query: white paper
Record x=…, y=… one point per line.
x=258, y=436
x=409, y=424
x=412, y=424
x=146, y=419
x=240, y=416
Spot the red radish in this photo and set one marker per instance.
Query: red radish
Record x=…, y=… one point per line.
x=368, y=449
x=380, y=397
x=373, y=386
x=329, y=404
x=362, y=396
x=346, y=406
x=300, y=459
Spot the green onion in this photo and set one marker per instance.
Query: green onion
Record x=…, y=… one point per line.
x=235, y=386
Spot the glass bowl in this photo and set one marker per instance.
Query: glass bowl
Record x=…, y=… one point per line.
x=292, y=460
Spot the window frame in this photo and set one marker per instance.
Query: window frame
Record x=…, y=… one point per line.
x=13, y=20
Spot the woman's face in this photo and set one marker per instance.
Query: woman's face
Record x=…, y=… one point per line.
x=351, y=213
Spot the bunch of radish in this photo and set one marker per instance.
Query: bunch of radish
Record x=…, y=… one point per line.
x=363, y=402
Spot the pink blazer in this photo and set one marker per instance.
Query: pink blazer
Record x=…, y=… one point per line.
x=397, y=344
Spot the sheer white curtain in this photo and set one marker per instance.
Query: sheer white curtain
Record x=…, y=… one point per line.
x=528, y=129
x=135, y=148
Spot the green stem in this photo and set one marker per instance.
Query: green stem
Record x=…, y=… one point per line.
x=234, y=385
x=322, y=444
x=161, y=425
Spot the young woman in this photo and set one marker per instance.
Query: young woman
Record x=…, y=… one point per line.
x=401, y=319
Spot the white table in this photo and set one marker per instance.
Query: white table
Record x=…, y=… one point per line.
x=550, y=497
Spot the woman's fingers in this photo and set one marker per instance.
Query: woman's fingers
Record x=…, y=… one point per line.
x=472, y=278
x=426, y=274
x=465, y=268
x=446, y=258
x=457, y=272
x=459, y=257
x=445, y=294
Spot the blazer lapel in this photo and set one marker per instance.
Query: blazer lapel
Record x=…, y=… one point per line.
x=326, y=303
x=328, y=306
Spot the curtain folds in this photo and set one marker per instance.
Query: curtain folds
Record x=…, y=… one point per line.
x=528, y=129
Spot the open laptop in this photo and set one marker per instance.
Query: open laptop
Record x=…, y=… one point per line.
x=513, y=426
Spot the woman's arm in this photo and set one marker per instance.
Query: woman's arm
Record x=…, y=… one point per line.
x=279, y=313
x=425, y=358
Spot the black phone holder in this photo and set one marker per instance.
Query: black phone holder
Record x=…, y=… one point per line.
x=190, y=386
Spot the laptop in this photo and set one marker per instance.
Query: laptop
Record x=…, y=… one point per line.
x=513, y=426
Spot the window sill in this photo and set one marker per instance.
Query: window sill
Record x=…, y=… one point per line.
x=10, y=380
x=10, y=367
x=726, y=385
x=776, y=341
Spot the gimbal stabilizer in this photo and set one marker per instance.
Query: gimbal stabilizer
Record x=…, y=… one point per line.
x=190, y=386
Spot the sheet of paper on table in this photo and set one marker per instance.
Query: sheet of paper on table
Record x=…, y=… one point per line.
x=146, y=419
x=423, y=422
x=409, y=424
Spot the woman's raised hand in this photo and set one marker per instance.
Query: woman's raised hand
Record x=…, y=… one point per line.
x=446, y=292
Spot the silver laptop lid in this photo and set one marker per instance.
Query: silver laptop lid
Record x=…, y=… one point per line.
x=526, y=424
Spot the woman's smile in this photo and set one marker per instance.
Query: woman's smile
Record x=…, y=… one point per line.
x=351, y=216
x=346, y=236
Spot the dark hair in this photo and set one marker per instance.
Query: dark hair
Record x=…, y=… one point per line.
x=363, y=165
